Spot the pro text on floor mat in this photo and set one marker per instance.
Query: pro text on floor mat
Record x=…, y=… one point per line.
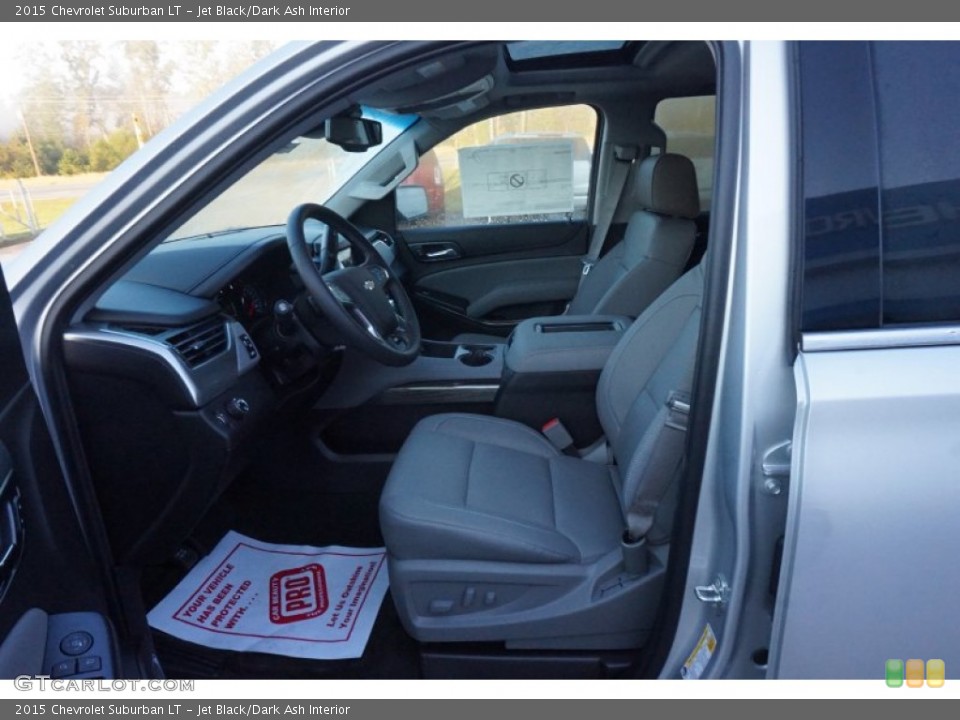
x=295, y=600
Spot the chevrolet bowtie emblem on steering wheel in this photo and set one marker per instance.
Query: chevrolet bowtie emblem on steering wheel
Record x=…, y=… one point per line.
x=369, y=284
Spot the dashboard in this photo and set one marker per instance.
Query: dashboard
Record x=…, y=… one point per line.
x=244, y=300
x=180, y=369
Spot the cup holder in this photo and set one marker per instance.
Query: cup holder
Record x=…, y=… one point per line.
x=475, y=355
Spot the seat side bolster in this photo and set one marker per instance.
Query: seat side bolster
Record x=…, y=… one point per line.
x=425, y=530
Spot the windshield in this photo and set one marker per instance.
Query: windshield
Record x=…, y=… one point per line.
x=307, y=169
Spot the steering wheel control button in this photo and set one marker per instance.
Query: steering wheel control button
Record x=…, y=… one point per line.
x=64, y=669
x=76, y=643
x=89, y=664
x=238, y=408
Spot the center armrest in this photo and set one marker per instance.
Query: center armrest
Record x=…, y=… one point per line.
x=564, y=343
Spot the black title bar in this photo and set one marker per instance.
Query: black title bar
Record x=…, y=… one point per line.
x=739, y=11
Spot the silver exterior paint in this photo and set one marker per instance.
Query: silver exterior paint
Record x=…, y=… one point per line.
x=736, y=520
x=869, y=566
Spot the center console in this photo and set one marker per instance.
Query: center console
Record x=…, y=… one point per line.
x=551, y=369
x=548, y=369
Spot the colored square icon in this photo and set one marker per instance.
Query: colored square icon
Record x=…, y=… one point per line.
x=894, y=673
x=936, y=673
x=914, y=673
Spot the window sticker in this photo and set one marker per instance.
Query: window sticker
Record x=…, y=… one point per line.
x=517, y=179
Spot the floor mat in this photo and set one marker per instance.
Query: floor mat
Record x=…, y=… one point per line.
x=292, y=600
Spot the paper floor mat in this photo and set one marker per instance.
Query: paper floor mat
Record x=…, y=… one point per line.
x=293, y=600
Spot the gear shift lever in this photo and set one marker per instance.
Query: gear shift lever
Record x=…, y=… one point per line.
x=286, y=325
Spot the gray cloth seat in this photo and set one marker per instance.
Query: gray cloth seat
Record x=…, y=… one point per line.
x=655, y=248
x=492, y=534
x=496, y=490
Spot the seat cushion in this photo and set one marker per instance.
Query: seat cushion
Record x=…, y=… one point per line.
x=471, y=487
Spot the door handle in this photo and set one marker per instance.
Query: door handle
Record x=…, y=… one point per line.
x=435, y=252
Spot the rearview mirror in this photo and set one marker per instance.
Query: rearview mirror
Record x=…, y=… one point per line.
x=353, y=134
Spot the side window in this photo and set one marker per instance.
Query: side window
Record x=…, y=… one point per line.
x=690, y=127
x=881, y=180
x=528, y=166
x=917, y=108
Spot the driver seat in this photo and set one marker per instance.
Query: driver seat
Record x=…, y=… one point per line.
x=492, y=534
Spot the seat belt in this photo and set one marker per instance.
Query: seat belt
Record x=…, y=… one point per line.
x=655, y=464
x=624, y=156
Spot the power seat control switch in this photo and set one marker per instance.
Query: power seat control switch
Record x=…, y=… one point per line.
x=76, y=643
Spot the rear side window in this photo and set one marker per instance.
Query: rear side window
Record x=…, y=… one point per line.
x=881, y=184
x=690, y=126
x=529, y=166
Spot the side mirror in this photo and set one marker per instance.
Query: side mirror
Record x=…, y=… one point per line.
x=353, y=134
x=412, y=201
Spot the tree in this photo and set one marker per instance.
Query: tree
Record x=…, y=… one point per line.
x=83, y=60
x=73, y=162
x=15, y=160
x=49, y=153
x=206, y=65
x=43, y=100
x=147, y=84
x=106, y=153
x=80, y=98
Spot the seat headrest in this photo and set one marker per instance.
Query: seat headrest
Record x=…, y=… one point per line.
x=667, y=185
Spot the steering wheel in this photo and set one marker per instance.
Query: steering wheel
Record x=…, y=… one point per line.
x=366, y=303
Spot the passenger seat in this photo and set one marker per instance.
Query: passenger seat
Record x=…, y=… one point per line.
x=654, y=250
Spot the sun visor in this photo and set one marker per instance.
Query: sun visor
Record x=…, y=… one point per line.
x=442, y=82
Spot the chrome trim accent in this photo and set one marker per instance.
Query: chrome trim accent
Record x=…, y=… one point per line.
x=105, y=336
x=877, y=339
x=451, y=392
x=202, y=383
x=776, y=460
x=365, y=322
x=715, y=594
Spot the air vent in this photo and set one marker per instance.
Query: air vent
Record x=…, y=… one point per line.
x=201, y=342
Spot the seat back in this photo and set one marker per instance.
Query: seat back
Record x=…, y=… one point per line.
x=655, y=246
x=654, y=358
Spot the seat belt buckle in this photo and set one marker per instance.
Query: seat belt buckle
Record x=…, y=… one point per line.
x=587, y=265
x=558, y=435
x=678, y=405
